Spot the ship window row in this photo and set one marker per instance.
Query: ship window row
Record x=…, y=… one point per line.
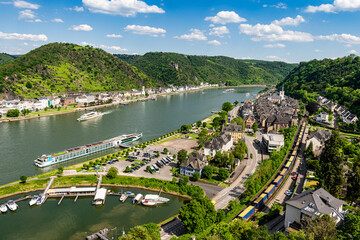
x=83, y=152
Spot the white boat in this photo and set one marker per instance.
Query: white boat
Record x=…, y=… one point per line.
x=229, y=90
x=123, y=197
x=90, y=115
x=155, y=198
x=40, y=200
x=137, y=198
x=148, y=203
x=3, y=208
x=12, y=205
x=34, y=200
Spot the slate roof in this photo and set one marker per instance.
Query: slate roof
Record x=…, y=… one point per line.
x=218, y=141
x=321, y=135
x=196, y=161
x=233, y=128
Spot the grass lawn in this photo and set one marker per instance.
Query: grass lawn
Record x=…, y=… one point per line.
x=27, y=186
x=311, y=184
x=176, y=136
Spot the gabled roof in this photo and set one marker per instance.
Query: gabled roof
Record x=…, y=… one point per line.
x=233, y=128
x=196, y=161
x=218, y=141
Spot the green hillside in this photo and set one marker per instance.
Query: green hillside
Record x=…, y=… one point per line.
x=5, y=58
x=64, y=67
x=196, y=69
x=338, y=80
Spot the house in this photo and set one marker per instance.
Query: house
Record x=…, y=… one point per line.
x=236, y=131
x=249, y=120
x=195, y=163
x=273, y=142
x=301, y=209
x=317, y=146
x=44, y=102
x=323, y=117
x=223, y=142
x=67, y=101
x=351, y=118
x=87, y=98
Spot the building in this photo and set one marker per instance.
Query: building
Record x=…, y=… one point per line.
x=195, y=163
x=67, y=101
x=88, y=98
x=273, y=142
x=301, y=209
x=236, y=132
x=223, y=142
x=323, y=117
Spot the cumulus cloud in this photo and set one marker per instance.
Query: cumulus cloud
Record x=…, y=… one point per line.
x=277, y=45
x=336, y=6
x=27, y=14
x=24, y=37
x=77, y=9
x=219, y=31
x=145, y=30
x=24, y=4
x=273, y=32
x=57, y=20
x=225, y=17
x=127, y=8
x=214, y=42
x=111, y=49
x=318, y=50
x=343, y=38
x=195, y=34
x=114, y=36
x=280, y=5
x=35, y=20
x=288, y=21
x=81, y=27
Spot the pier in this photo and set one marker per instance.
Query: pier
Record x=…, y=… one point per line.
x=61, y=199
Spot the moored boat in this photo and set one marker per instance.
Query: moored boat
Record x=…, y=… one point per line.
x=123, y=197
x=148, y=203
x=90, y=115
x=33, y=200
x=137, y=198
x=3, y=208
x=40, y=200
x=12, y=205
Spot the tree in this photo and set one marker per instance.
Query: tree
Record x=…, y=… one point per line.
x=353, y=181
x=239, y=121
x=185, y=128
x=198, y=123
x=127, y=169
x=166, y=150
x=236, y=102
x=186, y=180
x=309, y=150
x=351, y=227
x=204, y=124
x=227, y=106
x=60, y=170
x=181, y=156
x=312, y=107
x=112, y=173
x=23, y=178
x=150, y=231
x=13, y=113
x=255, y=127
x=196, y=176
x=207, y=172
x=322, y=228
x=240, y=150
x=217, y=122
x=223, y=174
x=331, y=160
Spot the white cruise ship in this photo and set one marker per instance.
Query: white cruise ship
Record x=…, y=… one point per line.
x=90, y=115
x=51, y=159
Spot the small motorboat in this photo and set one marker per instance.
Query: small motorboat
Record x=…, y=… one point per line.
x=148, y=203
x=40, y=200
x=3, y=208
x=123, y=197
x=34, y=200
x=12, y=205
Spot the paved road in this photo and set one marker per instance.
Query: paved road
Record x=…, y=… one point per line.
x=237, y=187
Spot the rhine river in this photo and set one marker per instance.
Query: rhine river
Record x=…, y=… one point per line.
x=23, y=141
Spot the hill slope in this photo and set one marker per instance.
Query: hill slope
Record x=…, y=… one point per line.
x=179, y=69
x=5, y=58
x=63, y=67
x=338, y=80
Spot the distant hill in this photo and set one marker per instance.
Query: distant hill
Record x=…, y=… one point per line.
x=338, y=80
x=180, y=69
x=5, y=58
x=64, y=67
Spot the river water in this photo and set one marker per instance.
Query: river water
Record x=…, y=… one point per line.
x=23, y=141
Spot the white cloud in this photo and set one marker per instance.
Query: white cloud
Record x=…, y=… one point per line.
x=195, y=34
x=336, y=6
x=272, y=32
x=276, y=58
x=23, y=4
x=57, y=20
x=219, y=31
x=288, y=21
x=214, y=42
x=25, y=44
x=27, y=14
x=77, y=9
x=24, y=37
x=225, y=17
x=280, y=5
x=353, y=51
x=114, y=36
x=245, y=58
x=145, y=30
x=318, y=50
x=343, y=38
x=111, y=49
x=127, y=8
x=36, y=20
x=81, y=27
x=277, y=45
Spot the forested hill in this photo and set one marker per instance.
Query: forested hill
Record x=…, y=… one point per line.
x=338, y=80
x=5, y=58
x=64, y=67
x=180, y=69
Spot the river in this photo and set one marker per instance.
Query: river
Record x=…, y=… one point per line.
x=23, y=141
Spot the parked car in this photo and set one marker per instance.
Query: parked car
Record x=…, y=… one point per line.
x=294, y=177
x=288, y=193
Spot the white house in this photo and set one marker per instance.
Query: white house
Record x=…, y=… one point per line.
x=44, y=102
x=301, y=209
x=322, y=117
x=87, y=98
x=223, y=142
x=195, y=163
x=273, y=142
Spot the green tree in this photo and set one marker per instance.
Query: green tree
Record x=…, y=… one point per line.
x=186, y=180
x=60, y=170
x=112, y=173
x=204, y=124
x=166, y=150
x=331, y=170
x=198, y=123
x=127, y=169
x=223, y=174
x=239, y=121
x=195, y=176
x=217, y=121
x=185, y=128
x=353, y=181
x=322, y=228
x=240, y=150
x=13, y=113
x=23, y=178
x=309, y=150
x=236, y=102
x=255, y=127
x=207, y=172
x=227, y=106
x=351, y=227
x=150, y=231
x=181, y=156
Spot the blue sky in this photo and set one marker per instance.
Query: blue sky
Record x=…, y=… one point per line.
x=290, y=31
